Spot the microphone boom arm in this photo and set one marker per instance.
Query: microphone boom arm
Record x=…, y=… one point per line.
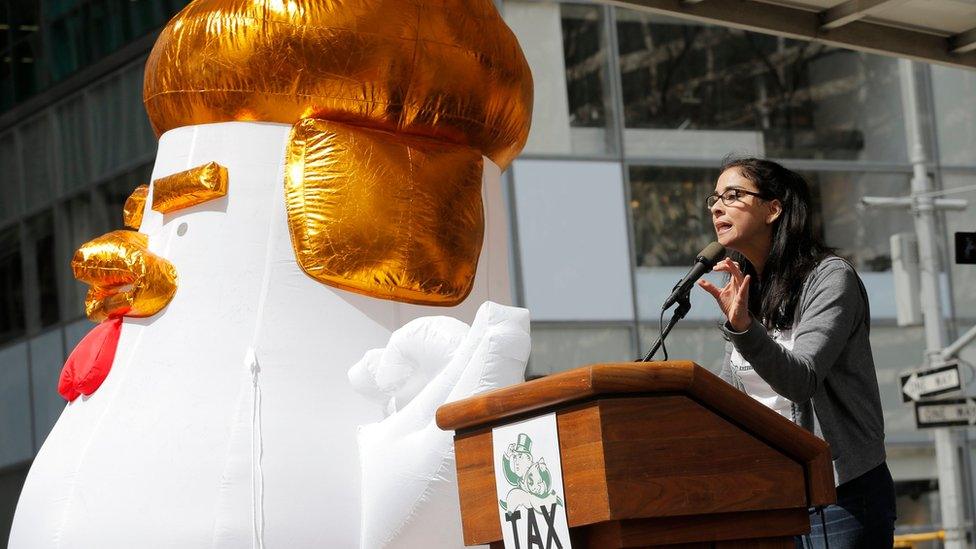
x=684, y=305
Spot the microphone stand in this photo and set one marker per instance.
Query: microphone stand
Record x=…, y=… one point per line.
x=684, y=305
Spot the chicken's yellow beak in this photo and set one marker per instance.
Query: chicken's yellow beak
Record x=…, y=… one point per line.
x=125, y=277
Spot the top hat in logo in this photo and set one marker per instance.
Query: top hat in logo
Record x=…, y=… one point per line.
x=517, y=459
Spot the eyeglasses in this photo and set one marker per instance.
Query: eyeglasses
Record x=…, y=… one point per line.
x=729, y=197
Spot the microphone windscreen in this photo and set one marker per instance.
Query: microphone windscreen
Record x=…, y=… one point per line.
x=712, y=254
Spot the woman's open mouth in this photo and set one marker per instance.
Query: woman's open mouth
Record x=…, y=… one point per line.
x=722, y=227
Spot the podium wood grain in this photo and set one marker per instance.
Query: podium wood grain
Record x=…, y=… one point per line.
x=652, y=454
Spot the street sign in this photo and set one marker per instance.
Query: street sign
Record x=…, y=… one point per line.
x=965, y=248
x=949, y=412
x=930, y=382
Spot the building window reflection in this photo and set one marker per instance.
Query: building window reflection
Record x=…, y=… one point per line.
x=671, y=223
x=46, y=41
x=861, y=235
x=77, y=225
x=44, y=266
x=568, y=51
x=685, y=81
x=10, y=206
x=116, y=191
x=667, y=206
x=584, y=49
x=36, y=160
x=12, y=321
x=21, y=59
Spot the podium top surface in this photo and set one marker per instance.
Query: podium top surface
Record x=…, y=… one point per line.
x=630, y=379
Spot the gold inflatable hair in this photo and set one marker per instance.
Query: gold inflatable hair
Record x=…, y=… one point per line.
x=393, y=105
x=447, y=69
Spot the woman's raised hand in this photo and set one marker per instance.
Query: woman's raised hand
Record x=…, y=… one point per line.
x=733, y=299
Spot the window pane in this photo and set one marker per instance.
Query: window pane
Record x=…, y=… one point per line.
x=36, y=159
x=78, y=225
x=15, y=431
x=558, y=348
x=955, y=114
x=6, y=69
x=75, y=332
x=40, y=243
x=710, y=90
x=585, y=47
x=963, y=276
x=143, y=16
x=119, y=118
x=895, y=351
x=702, y=344
x=54, y=8
x=47, y=358
x=24, y=57
x=6, y=83
x=107, y=108
x=862, y=235
x=104, y=27
x=75, y=34
x=69, y=45
x=10, y=174
x=73, y=139
x=12, y=321
x=671, y=224
x=573, y=240
x=115, y=192
x=566, y=47
x=28, y=65
x=140, y=138
x=23, y=13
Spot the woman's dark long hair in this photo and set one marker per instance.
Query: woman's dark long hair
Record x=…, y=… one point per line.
x=796, y=248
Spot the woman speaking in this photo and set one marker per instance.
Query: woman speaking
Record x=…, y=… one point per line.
x=797, y=330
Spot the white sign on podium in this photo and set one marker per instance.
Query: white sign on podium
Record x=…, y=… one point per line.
x=529, y=482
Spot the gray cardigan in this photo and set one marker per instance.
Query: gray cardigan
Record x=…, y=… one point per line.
x=829, y=372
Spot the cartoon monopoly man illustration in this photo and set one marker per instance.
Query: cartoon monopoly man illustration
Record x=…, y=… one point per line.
x=530, y=479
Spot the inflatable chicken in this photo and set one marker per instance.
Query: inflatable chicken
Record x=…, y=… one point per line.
x=315, y=269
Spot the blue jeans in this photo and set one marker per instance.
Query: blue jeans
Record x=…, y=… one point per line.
x=863, y=517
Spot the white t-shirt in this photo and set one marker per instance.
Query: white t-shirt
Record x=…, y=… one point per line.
x=756, y=387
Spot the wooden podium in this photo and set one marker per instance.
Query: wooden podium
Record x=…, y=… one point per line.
x=653, y=454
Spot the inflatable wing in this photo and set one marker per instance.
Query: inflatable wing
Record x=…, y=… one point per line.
x=409, y=478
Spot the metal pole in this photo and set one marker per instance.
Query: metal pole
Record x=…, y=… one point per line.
x=900, y=203
x=952, y=350
x=948, y=447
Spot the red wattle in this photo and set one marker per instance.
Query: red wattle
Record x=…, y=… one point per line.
x=90, y=361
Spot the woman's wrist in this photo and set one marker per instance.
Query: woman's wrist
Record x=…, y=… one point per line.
x=741, y=324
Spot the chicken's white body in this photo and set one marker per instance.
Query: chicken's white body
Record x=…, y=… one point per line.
x=228, y=419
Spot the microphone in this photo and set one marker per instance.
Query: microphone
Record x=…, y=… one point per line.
x=707, y=258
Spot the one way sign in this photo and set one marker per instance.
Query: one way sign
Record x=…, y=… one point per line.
x=950, y=412
x=930, y=382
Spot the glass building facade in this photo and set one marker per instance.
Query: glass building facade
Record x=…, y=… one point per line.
x=633, y=115
x=43, y=43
